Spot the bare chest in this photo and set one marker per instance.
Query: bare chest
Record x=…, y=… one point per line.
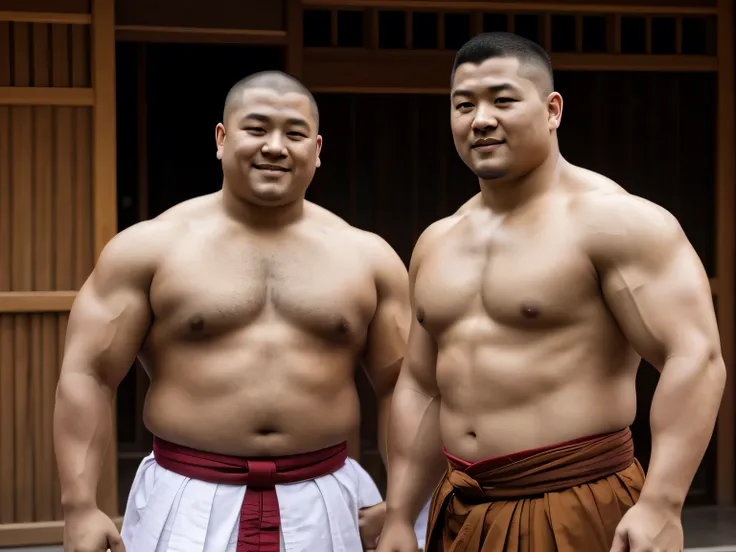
x=517, y=279
x=215, y=290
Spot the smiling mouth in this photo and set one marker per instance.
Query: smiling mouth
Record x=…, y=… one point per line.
x=271, y=168
x=488, y=144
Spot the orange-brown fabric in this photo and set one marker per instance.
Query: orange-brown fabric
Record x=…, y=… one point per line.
x=569, y=497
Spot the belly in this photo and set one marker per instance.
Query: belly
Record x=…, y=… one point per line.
x=508, y=391
x=245, y=397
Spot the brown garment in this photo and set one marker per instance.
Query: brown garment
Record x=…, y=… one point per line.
x=567, y=497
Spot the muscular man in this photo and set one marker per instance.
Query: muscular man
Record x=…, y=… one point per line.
x=249, y=309
x=532, y=307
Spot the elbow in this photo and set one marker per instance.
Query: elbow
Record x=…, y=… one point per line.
x=716, y=372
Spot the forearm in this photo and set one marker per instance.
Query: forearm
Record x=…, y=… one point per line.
x=416, y=461
x=82, y=431
x=683, y=415
x=384, y=411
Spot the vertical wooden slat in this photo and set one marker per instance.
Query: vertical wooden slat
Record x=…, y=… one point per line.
x=82, y=120
x=476, y=23
x=7, y=383
x=547, y=31
x=373, y=24
x=441, y=31
x=511, y=22
x=104, y=182
x=408, y=29
x=44, y=373
x=678, y=34
x=725, y=202
x=333, y=28
x=648, y=36
x=579, y=33
x=295, y=34
x=142, y=132
x=22, y=275
x=617, y=34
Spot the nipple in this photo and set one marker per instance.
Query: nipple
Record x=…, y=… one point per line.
x=529, y=311
x=197, y=324
x=420, y=315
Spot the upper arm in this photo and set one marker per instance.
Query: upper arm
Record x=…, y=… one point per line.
x=110, y=316
x=653, y=281
x=387, y=332
x=419, y=369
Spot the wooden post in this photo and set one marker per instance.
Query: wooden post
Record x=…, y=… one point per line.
x=104, y=185
x=725, y=248
x=295, y=38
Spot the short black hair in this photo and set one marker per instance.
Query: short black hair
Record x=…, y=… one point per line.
x=499, y=44
x=272, y=80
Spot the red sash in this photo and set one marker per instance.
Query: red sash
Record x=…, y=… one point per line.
x=260, y=520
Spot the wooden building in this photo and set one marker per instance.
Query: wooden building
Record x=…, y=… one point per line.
x=107, y=116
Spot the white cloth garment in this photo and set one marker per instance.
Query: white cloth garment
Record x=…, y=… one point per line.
x=420, y=527
x=167, y=512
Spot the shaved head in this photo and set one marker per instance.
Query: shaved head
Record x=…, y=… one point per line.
x=533, y=59
x=271, y=80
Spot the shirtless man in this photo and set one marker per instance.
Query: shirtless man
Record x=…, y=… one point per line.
x=532, y=307
x=249, y=309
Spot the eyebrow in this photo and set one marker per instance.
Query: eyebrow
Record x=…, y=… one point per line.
x=503, y=87
x=293, y=121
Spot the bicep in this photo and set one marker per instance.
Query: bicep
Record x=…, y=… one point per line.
x=662, y=301
x=107, y=324
x=418, y=372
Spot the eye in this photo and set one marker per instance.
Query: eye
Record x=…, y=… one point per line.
x=255, y=130
x=504, y=100
x=296, y=134
x=464, y=105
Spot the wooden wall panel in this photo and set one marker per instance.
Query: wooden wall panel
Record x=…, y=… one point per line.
x=48, y=6
x=30, y=355
x=46, y=246
x=243, y=14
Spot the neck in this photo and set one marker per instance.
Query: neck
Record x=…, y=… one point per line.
x=508, y=194
x=259, y=216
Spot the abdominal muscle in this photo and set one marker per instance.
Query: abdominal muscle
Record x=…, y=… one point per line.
x=499, y=399
x=245, y=397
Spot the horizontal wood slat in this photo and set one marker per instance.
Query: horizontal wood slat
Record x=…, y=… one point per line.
x=516, y=7
x=32, y=95
x=39, y=17
x=146, y=33
x=36, y=301
x=358, y=70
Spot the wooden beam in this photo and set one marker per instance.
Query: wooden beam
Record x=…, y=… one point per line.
x=149, y=33
x=521, y=6
x=104, y=189
x=36, y=95
x=295, y=41
x=40, y=17
x=725, y=250
x=37, y=534
x=363, y=70
x=36, y=301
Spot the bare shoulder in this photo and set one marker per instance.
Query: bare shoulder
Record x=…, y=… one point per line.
x=375, y=253
x=433, y=235
x=614, y=223
x=136, y=251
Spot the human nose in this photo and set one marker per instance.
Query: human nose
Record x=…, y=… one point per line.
x=274, y=145
x=485, y=118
